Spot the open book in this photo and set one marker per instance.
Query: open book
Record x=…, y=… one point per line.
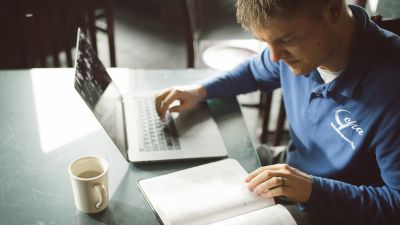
x=213, y=193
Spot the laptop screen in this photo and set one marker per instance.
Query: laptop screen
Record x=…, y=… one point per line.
x=99, y=92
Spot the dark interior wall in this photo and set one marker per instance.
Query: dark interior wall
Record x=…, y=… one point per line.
x=167, y=13
x=10, y=44
x=161, y=15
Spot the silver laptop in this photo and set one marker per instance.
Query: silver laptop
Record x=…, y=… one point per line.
x=132, y=122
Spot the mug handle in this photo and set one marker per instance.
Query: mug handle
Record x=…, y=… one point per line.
x=101, y=190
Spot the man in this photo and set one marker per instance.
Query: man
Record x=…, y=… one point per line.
x=340, y=76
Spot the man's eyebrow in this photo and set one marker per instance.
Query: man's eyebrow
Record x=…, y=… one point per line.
x=280, y=38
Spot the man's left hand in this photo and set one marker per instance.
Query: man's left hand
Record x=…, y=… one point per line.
x=280, y=180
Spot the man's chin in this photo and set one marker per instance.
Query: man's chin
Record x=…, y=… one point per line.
x=298, y=70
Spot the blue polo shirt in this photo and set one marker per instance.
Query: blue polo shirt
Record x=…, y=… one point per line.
x=345, y=133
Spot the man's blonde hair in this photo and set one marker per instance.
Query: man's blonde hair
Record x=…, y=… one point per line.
x=258, y=13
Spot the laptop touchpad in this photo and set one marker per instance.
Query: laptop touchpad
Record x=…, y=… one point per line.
x=195, y=122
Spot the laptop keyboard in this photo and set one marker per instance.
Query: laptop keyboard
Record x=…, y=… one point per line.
x=158, y=135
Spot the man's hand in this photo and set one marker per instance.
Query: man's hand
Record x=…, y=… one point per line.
x=280, y=180
x=188, y=96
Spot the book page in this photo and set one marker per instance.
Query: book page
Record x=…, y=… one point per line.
x=203, y=194
x=274, y=215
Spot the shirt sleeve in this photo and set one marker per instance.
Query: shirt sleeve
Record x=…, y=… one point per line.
x=352, y=204
x=253, y=74
x=343, y=203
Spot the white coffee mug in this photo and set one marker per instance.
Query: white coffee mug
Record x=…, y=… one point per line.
x=89, y=178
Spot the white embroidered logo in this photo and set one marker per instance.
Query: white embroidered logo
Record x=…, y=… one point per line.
x=346, y=123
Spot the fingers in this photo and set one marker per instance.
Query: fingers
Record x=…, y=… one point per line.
x=270, y=167
x=179, y=108
x=171, y=96
x=188, y=97
x=159, y=102
x=254, y=174
x=164, y=100
x=267, y=178
x=272, y=183
x=279, y=191
x=281, y=180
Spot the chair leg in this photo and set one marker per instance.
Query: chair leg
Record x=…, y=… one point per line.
x=189, y=33
x=265, y=101
x=258, y=105
x=110, y=34
x=279, y=125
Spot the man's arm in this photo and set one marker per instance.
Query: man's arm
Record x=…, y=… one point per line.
x=253, y=74
x=340, y=202
x=188, y=97
x=258, y=73
x=350, y=204
x=366, y=204
x=331, y=200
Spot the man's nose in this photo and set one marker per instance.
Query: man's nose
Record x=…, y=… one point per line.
x=275, y=53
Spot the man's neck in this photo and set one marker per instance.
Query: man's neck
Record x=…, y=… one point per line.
x=347, y=36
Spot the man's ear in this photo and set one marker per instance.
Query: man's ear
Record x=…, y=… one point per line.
x=333, y=10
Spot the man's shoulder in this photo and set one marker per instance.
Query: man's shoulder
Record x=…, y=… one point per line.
x=385, y=65
x=382, y=78
x=388, y=43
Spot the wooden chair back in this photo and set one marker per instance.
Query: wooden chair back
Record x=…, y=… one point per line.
x=392, y=25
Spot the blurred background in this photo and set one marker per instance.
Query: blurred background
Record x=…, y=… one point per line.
x=149, y=33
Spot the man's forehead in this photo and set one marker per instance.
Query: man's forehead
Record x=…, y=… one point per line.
x=279, y=28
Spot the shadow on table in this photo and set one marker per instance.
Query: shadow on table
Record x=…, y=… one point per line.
x=116, y=213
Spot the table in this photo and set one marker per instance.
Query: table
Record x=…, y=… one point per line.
x=44, y=125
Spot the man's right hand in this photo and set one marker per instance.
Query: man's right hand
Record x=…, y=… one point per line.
x=188, y=97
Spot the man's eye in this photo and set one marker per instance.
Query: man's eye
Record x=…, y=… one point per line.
x=288, y=40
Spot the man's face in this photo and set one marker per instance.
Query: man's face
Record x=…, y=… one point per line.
x=302, y=43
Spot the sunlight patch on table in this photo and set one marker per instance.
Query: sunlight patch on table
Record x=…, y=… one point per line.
x=62, y=115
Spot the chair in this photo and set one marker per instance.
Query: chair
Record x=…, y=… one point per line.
x=278, y=132
x=205, y=45
x=361, y=3
x=48, y=29
x=204, y=39
x=392, y=25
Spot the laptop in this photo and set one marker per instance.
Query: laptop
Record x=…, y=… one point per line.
x=132, y=122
